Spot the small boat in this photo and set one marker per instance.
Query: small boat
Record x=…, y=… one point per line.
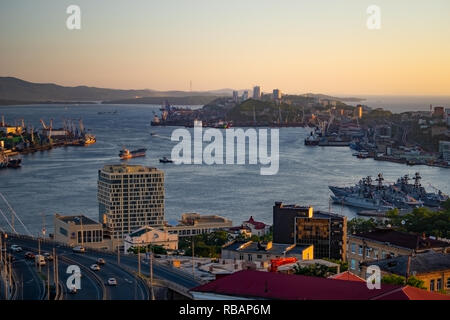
x=165, y=160
x=127, y=154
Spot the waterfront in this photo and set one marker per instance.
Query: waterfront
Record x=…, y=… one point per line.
x=64, y=180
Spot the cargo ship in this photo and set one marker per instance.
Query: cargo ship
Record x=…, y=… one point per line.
x=127, y=154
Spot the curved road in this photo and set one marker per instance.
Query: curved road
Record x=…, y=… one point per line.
x=93, y=284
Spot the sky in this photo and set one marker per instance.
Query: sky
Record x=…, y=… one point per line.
x=297, y=46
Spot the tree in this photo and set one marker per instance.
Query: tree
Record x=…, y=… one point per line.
x=314, y=270
x=401, y=281
x=361, y=225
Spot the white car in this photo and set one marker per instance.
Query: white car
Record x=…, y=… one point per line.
x=95, y=267
x=16, y=248
x=79, y=249
x=112, y=282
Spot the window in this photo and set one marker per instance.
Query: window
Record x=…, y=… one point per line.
x=375, y=253
x=448, y=283
x=259, y=256
x=439, y=285
x=368, y=251
x=431, y=285
x=250, y=257
x=63, y=231
x=383, y=254
x=241, y=256
x=353, y=248
x=360, y=250
x=353, y=264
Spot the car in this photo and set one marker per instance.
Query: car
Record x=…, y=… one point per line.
x=95, y=267
x=112, y=282
x=39, y=260
x=16, y=248
x=29, y=255
x=79, y=249
x=48, y=256
x=101, y=261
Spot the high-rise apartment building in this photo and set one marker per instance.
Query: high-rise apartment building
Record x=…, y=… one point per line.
x=293, y=224
x=130, y=197
x=277, y=94
x=257, y=92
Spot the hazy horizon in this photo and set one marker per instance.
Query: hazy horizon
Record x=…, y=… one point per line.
x=296, y=46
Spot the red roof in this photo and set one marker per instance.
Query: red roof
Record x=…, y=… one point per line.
x=258, y=225
x=268, y=285
x=347, y=275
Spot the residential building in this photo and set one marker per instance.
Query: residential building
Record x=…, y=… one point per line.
x=145, y=236
x=236, y=96
x=257, y=285
x=444, y=150
x=439, y=112
x=257, y=93
x=387, y=243
x=276, y=94
x=130, y=197
x=433, y=268
x=192, y=224
x=255, y=251
x=78, y=230
x=301, y=225
x=245, y=96
x=257, y=228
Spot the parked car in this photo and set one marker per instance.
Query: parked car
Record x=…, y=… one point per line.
x=112, y=282
x=16, y=248
x=95, y=267
x=101, y=261
x=79, y=249
x=29, y=255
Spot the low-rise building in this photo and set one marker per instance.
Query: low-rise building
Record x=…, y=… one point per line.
x=433, y=268
x=257, y=228
x=256, y=285
x=192, y=224
x=302, y=225
x=69, y=230
x=254, y=251
x=387, y=243
x=145, y=236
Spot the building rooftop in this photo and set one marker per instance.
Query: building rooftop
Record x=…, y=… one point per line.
x=348, y=276
x=276, y=249
x=125, y=168
x=402, y=239
x=77, y=219
x=269, y=285
x=429, y=261
x=258, y=225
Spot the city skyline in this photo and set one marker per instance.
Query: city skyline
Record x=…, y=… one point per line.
x=321, y=48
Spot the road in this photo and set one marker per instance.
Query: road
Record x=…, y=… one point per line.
x=93, y=283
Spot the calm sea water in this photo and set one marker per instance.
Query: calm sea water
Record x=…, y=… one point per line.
x=64, y=180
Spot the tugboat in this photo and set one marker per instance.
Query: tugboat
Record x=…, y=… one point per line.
x=7, y=162
x=126, y=154
x=165, y=160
